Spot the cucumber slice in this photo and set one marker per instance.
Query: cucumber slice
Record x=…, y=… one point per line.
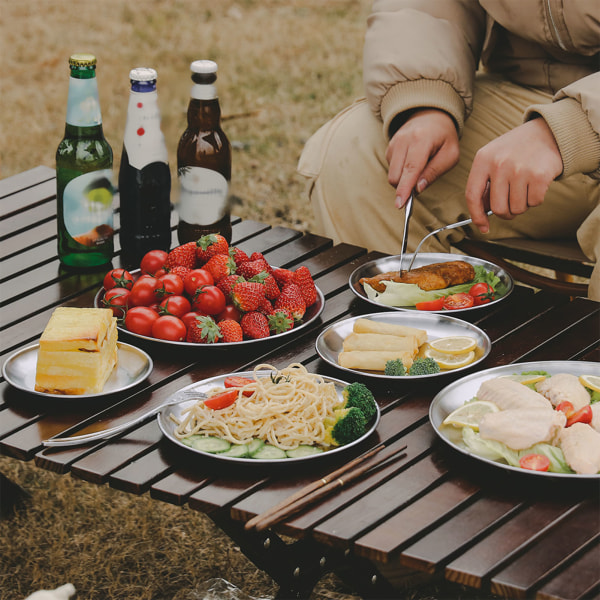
x=211, y=444
x=236, y=451
x=268, y=452
x=304, y=450
x=254, y=446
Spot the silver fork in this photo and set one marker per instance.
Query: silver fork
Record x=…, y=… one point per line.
x=181, y=396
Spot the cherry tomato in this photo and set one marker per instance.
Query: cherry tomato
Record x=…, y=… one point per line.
x=196, y=278
x=457, y=301
x=173, y=284
x=145, y=291
x=210, y=300
x=566, y=407
x=118, y=278
x=535, y=462
x=190, y=317
x=229, y=312
x=175, y=305
x=169, y=328
x=235, y=381
x=118, y=299
x=583, y=415
x=431, y=304
x=482, y=293
x=222, y=400
x=153, y=261
x=140, y=319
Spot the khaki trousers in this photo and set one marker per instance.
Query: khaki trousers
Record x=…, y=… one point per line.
x=354, y=203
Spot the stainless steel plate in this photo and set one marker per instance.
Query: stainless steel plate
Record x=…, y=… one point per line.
x=168, y=426
x=457, y=393
x=133, y=366
x=392, y=263
x=329, y=343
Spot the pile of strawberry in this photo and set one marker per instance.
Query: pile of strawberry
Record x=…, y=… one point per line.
x=206, y=292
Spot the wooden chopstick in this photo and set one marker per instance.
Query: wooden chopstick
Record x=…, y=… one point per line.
x=320, y=488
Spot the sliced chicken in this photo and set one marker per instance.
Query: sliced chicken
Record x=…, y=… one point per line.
x=564, y=387
x=580, y=444
x=596, y=417
x=522, y=428
x=508, y=394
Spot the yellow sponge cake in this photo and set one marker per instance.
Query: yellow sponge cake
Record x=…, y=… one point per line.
x=78, y=351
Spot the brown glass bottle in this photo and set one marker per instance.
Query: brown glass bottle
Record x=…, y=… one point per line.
x=203, y=162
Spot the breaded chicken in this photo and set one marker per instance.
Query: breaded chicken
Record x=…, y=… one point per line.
x=436, y=276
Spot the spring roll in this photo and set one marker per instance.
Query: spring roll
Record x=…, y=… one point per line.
x=368, y=326
x=372, y=360
x=379, y=341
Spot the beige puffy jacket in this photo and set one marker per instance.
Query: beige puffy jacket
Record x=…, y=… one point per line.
x=426, y=53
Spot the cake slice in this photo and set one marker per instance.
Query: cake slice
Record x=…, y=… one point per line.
x=78, y=351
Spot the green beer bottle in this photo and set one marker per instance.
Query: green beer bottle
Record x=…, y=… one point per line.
x=84, y=189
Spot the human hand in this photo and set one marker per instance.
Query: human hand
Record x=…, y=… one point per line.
x=423, y=149
x=519, y=166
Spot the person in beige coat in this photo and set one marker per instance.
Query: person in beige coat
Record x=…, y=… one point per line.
x=474, y=105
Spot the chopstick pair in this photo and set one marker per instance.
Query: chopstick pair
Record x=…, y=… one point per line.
x=322, y=487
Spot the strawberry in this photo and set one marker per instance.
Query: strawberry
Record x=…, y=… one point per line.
x=255, y=325
x=226, y=283
x=292, y=299
x=231, y=331
x=272, y=290
x=238, y=255
x=219, y=266
x=247, y=295
x=283, y=276
x=303, y=279
x=184, y=256
x=180, y=270
x=251, y=268
x=209, y=245
x=265, y=307
x=203, y=330
x=280, y=321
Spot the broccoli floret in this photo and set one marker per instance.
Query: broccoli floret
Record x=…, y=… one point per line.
x=394, y=367
x=424, y=366
x=360, y=396
x=348, y=425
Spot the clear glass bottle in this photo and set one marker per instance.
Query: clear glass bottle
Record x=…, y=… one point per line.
x=203, y=161
x=84, y=188
x=144, y=175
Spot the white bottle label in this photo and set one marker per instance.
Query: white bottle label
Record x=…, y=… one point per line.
x=202, y=196
x=88, y=207
x=144, y=140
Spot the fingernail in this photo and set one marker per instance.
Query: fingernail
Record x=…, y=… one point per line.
x=421, y=185
x=399, y=202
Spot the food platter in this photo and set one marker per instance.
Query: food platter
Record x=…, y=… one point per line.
x=133, y=366
x=167, y=425
x=392, y=263
x=329, y=343
x=458, y=392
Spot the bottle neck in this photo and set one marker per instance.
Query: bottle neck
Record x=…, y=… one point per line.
x=204, y=114
x=83, y=105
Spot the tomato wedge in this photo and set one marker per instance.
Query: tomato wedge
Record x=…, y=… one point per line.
x=458, y=301
x=222, y=400
x=236, y=381
x=431, y=304
x=566, y=407
x=583, y=415
x=535, y=462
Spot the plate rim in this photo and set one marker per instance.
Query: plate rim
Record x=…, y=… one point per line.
x=405, y=315
x=526, y=366
x=162, y=416
x=436, y=257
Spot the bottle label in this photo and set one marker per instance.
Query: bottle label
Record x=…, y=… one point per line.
x=83, y=107
x=203, y=91
x=202, y=195
x=88, y=207
x=144, y=140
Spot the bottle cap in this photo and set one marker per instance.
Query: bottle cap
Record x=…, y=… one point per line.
x=82, y=60
x=204, y=66
x=142, y=74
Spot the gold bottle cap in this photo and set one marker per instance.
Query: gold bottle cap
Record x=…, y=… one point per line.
x=82, y=60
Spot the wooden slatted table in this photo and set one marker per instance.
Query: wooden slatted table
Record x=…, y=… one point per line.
x=435, y=512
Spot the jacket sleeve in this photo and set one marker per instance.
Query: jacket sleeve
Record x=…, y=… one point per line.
x=421, y=53
x=574, y=118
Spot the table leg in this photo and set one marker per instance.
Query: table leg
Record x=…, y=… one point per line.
x=11, y=496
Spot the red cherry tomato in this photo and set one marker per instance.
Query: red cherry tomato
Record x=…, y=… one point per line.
x=153, y=261
x=118, y=299
x=535, y=462
x=566, y=407
x=175, y=305
x=229, y=312
x=169, y=328
x=145, y=291
x=190, y=317
x=222, y=400
x=210, y=300
x=173, y=284
x=482, y=293
x=118, y=278
x=431, y=304
x=236, y=381
x=196, y=278
x=583, y=415
x=140, y=319
x=457, y=301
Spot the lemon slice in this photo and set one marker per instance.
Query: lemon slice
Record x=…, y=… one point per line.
x=455, y=344
x=470, y=414
x=590, y=381
x=525, y=379
x=450, y=361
